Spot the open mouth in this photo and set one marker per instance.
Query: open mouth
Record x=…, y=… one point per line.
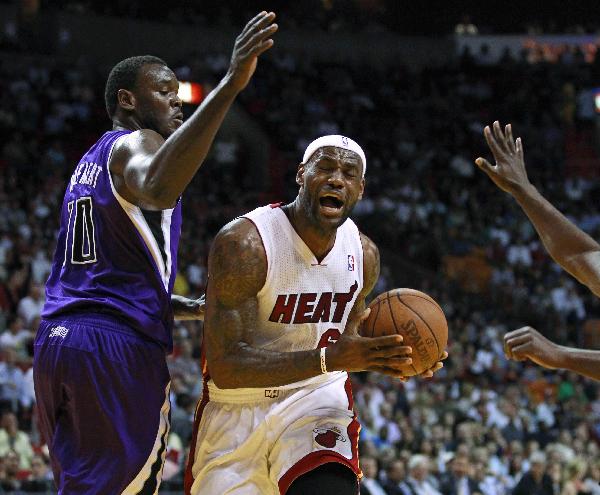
x=331, y=202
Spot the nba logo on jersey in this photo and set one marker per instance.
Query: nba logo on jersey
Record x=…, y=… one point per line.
x=350, y=263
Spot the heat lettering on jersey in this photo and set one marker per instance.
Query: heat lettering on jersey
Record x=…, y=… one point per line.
x=86, y=173
x=301, y=308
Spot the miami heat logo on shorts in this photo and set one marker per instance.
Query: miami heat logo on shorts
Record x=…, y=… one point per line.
x=328, y=436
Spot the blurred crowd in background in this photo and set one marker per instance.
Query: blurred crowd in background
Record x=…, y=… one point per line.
x=482, y=424
x=374, y=16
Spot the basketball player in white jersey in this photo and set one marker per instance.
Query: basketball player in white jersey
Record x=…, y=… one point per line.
x=285, y=282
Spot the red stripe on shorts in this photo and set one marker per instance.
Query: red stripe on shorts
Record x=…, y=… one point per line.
x=320, y=457
x=189, y=477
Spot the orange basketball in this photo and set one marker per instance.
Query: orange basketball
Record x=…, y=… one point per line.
x=415, y=316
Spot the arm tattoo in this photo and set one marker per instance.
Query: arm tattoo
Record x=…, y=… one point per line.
x=237, y=272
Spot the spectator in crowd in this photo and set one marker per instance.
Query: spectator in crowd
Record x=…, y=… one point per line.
x=369, y=484
x=395, y=475
x=419, y=481
x=458, y=480
x=12, y=381
x=535, y=481
x=30, y=307
x=11, y=482
x=16, y=336
x=40, y=477
x=12, y=439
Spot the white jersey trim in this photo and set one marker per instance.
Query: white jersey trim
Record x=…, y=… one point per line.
x=158, y=453
x=136, y=216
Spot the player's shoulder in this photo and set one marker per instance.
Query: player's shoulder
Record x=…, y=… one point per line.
x=370, y=249
x=239, y=234
x=237, y=261
x=143, y=141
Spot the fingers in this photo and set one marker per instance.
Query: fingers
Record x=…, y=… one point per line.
x=514, y=339
x=510, y=142
x=396, y=363
x=444, y=356
x=521, y=352
x=395, y=351
x=484, y=165
x=258, y=22
x=389, y=372
x=519, y=148
x=256, y=33
x=378, y=343
x=437, y=366
x=492, y=143
x=500, y=137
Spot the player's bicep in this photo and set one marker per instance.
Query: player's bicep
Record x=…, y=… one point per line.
x=236, y=273
x=131, y=162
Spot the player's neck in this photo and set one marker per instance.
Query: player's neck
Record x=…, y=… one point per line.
x=320, y=241
x=127, y=122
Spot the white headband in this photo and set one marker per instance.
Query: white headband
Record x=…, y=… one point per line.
x=339, y=142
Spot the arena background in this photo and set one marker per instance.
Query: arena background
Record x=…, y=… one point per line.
x=414, y=83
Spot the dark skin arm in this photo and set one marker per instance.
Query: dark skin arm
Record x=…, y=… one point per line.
x=188, y=309
x=528, y=343
x=568, y=245
x=152, y=173
x=237, y=272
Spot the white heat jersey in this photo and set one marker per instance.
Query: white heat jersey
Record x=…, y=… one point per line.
x=304, y=304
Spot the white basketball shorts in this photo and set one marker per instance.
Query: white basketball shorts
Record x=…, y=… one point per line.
x=259, y=443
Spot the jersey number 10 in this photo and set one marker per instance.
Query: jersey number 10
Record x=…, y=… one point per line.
x=81, y=237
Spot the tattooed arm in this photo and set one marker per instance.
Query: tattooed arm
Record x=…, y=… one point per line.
x=237, y=270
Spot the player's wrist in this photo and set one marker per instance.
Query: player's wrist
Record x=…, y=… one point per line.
x=230, y=85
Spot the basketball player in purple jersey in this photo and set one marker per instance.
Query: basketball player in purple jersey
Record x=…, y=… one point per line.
x=568, y=245
x=100, y=372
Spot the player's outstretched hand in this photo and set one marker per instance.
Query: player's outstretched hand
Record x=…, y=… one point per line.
x=527, y=343
x=509, y=173
x=254, y=40
x=385, y=355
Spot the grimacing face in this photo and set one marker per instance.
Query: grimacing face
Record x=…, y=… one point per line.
x=155, y=98
x=331, y=184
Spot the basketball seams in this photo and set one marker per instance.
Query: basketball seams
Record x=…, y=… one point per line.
x=415, y=293
x=375, y=318
x=396, y=326
x=423, y=320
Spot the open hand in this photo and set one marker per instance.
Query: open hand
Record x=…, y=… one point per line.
x=252, y=42
x=509, y=173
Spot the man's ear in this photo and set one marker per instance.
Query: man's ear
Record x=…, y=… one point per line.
x=362, y=188
x=126, y=99
x=300, y=174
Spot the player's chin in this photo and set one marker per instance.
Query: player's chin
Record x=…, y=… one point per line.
x=333, y=217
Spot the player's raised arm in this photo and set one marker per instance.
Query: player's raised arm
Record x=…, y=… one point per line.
x=568, y=245
x=237, y=272
x=528, y=343
x=153, y=166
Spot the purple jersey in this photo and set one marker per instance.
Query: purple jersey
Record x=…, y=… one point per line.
x=111, y=256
